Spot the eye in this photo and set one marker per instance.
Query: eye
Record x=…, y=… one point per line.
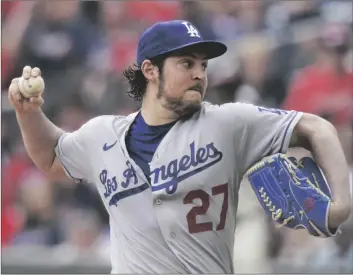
x=204, y=65
x=188, y=64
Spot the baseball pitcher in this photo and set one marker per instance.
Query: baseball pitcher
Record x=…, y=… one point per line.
x=169, y=174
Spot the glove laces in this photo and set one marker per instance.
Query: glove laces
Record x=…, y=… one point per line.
x=275, y=213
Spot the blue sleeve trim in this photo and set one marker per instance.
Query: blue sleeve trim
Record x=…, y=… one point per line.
x=286, y=131
x=59, y=153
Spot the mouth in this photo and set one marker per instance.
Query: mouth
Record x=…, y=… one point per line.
x=196, y=89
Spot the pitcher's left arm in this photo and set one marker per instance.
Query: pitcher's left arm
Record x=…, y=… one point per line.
x=320, y=137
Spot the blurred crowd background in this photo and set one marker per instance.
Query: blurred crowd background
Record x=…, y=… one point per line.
x=283, y=54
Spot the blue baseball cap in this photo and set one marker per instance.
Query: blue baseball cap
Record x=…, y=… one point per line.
x=166, y=37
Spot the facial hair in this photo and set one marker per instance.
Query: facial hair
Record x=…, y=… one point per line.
x=180, y=107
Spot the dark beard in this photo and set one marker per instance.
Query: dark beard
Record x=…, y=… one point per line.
x=181, y=108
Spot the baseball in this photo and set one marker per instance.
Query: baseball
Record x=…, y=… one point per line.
x=34, y=86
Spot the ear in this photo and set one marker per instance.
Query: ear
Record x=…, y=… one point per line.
x=149, y=70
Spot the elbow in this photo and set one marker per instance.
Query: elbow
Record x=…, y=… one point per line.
x=313, y=127
x=41, y=165
x=51, y=168
x=47, y=172
x=319, y=127
x=326, y=128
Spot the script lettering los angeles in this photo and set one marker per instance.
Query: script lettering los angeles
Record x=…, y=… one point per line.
x=168, y=176
x=164, y=177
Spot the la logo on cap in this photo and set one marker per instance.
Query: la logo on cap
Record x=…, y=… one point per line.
x=191, y=30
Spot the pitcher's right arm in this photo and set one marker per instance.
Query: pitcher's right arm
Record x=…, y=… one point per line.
x=39, y=134
x=40, y=137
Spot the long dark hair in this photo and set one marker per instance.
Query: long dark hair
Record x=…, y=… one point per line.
x=137, y=81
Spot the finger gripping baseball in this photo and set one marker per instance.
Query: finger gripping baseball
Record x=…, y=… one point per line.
x=290, y=193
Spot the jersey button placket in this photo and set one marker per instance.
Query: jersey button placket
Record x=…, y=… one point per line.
x=158, y=201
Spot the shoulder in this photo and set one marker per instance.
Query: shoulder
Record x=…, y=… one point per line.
x=100, y=125
x=100, y=122
x=241, y=114
x=227, y=116
x=227, y=109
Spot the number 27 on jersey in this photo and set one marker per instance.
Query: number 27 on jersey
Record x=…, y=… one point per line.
x=204, y=197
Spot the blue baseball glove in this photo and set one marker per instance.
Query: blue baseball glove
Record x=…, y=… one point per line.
x=294, y=193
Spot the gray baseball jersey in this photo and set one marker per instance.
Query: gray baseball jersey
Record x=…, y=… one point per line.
x=183, y=221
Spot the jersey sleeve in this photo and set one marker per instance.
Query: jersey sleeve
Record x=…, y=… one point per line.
x=73, y=151
x=261, y=132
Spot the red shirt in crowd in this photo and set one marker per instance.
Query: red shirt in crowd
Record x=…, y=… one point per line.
x=322, y=91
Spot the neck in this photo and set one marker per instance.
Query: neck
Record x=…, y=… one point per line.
x=154, y=113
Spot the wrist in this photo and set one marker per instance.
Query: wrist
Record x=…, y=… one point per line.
x=338, y=214
x=24, y=113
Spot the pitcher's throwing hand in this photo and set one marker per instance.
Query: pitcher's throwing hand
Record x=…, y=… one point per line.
x=25, y=92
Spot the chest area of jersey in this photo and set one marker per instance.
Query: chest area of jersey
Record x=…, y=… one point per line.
x=178, y=165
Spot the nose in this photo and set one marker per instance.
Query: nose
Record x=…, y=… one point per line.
x=199, y=73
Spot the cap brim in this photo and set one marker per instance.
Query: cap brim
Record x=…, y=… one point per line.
x=211, y=49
